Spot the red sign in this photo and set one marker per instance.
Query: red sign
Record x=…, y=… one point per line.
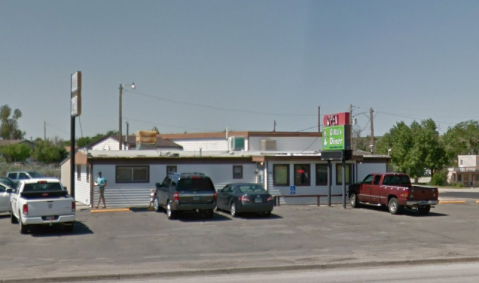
x=336, y=119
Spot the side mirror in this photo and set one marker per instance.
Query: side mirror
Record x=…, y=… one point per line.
x=9, y=190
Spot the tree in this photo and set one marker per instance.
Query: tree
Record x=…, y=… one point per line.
x=16, y=152
x=9, y=125
x=463, y=138
x=47, y=152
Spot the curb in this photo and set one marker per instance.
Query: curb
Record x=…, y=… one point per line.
x=452, y=201
x=240, y=270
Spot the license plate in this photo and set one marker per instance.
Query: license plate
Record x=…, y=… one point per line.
x=423, y=202
x=50, y=218
x=196, y=198
x=259, y=200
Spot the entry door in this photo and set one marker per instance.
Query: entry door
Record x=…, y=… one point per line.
x=4, y=198
x=376, y=189
x=365, y=189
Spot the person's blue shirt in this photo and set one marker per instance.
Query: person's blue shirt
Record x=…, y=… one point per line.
x=101, y=182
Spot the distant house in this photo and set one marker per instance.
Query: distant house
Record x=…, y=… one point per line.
x=12, y=142
x=466, y=172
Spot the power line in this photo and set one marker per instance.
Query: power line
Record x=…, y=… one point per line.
x=58, y=129
x=222, y=108
x=163, y=124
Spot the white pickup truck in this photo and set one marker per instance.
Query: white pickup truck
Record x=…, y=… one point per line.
x=42, y=202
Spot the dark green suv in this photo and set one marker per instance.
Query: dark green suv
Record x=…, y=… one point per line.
x=186, y=192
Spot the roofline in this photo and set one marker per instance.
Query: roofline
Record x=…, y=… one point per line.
x=239, y=134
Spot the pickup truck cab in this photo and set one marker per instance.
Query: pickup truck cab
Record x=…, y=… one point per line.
x=393, y=190
x=41, y=202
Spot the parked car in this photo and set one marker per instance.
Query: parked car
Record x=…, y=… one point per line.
x=9, y=182
x=23, y=175
x=5, y=193
x=186, y=192
x=245, y=197
x=42, y=202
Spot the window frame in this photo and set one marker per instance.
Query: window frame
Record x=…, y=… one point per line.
x=339, y=177
x=274, y=175
x=318, y=165
x=132, y=167
x=308, y=184
x=240, y=176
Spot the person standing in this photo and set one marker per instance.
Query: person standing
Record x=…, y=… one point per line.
x=101, y=182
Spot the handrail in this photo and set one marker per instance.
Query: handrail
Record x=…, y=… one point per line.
x=277, y=198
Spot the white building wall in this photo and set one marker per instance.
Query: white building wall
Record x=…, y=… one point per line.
x=288, y=143
x=367, y=168
x=304, y=190
x=82, y=186
x=204, y=144
x=467, y=161
x=65, y=175
x=108, y=144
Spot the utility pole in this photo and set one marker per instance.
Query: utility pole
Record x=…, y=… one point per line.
x=351, y=124
x=126, y=139
x=274, y=126
x=319, y=119
x=371, y=141
x=44, y=130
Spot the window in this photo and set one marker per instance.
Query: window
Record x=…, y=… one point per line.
x=377, y=178
x=88, y=174
x=12, y=176
x=459, y=177
x=171, y=169
x=302, y=175
x=367, y=180
x=321, y=174
x=79, y=172
x=339, y=174
x=132, y=174
x=281, y=175
x=2, y=188
x=461, y=162
x=22, y=176
x=237, y=171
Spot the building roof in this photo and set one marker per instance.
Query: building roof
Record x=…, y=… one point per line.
x=10, y=142
x=239, y=134
x=131, y=141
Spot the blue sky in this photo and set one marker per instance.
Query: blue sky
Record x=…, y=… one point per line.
x=405, y=59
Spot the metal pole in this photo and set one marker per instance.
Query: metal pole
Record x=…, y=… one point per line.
x=126, y=138
x=344, y=182
x=72, y=157
x=329, y=181
x=119, y=132
x=44, y=130
x=319, y=119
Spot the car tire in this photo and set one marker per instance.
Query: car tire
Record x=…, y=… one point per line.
x=156, y=204
x=209, y=214
x=393, y=206
x=13, y=219
x=424, y=209
x=353, y=200
x=233, y=210
x=170, y=213
x=23, y=228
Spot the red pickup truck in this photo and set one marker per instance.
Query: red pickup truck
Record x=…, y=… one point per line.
x=393, y=190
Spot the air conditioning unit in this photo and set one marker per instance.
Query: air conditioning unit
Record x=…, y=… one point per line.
x=236, y=143
x=268, y=145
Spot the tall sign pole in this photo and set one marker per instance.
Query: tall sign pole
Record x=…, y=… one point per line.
x=75, y=110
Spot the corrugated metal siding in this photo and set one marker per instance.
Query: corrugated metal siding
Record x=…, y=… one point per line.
x=204, y=144
x=367, y=168
x=303, y=190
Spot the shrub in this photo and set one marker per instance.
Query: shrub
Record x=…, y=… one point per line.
x=439, y=178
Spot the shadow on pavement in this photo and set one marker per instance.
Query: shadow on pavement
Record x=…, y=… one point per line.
x=406, y=211
x=247, y=215
x=59, y=230
x=194, y=217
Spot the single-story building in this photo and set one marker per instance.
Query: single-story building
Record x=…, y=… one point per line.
x=467, y=171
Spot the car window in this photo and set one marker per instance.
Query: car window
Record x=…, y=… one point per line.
x=368, y=179
x=40, y=187
x=166, y=182
x=228, y=189
x=251, y=188
x=377, y=178
x=194, y=184
x=22, y=176
x=2, y=188
x=35, y=175
x=12, y=175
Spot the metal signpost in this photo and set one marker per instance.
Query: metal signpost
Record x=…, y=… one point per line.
x=75, y=110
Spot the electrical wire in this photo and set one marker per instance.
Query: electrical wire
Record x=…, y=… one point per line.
x=168, y=125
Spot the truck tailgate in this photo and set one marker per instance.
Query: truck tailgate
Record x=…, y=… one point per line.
x=50, y=207
x=423, y=193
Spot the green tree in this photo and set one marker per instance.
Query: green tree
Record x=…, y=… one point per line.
x=47, y=152
x=16, y=152
x=463, y=138
x=9, y=129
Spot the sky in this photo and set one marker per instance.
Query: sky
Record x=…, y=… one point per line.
x=204, y=66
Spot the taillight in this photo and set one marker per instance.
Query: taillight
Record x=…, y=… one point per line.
x=25, y=209
x=74, y=206
x=176, y=196
x=406, y=193
x=215, y=195
x=270, y=198
x=244, y=198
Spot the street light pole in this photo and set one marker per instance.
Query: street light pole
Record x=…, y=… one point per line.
x=120, y=142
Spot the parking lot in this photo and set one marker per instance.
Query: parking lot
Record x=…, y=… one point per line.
x=146, y=241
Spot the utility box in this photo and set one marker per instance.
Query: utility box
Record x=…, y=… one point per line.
x=268, y=145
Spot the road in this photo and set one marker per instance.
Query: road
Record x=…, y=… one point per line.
x=464, y=273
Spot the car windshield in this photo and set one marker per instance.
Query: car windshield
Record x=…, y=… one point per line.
x=251, y=188
x=195, y=184
x=42, y=187
x=35, y=174
x=7, y=182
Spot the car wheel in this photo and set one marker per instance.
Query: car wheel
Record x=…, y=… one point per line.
x=170, y=213
x=353, y=200
x=209, y=214
x=23, y=228
x=13, y=219
x=424, y=209
x=233, y=210
x=393, y=206
x=156, y=205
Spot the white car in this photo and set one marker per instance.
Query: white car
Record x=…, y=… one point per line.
x=5, y=192
x=42, y=202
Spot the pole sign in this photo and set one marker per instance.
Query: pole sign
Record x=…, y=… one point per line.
x=336, y=119
x=76, y=94
x=336, y=137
